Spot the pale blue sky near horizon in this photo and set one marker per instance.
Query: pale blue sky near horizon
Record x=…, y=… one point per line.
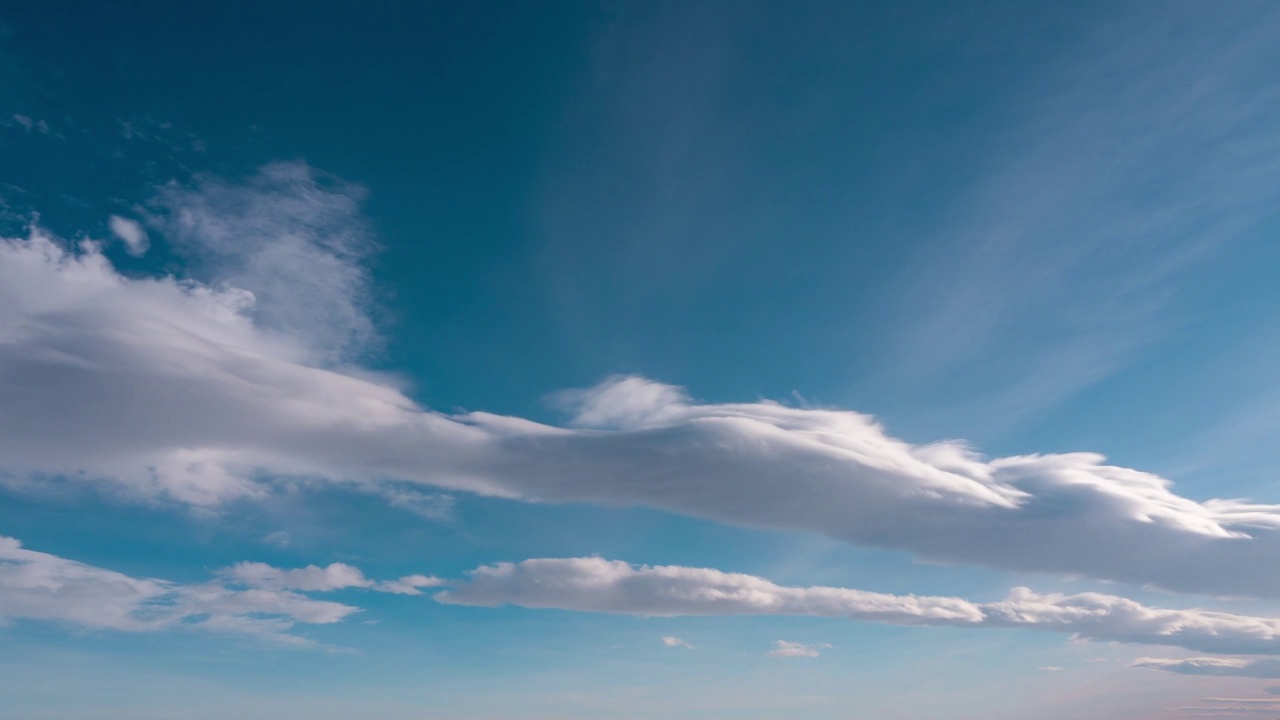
x=1034, y=229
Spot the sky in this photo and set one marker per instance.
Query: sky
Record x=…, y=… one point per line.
x=477, y=360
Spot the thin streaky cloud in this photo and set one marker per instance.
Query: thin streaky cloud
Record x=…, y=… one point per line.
x=609, y=586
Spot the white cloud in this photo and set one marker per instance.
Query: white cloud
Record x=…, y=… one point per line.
x=408, y=585
x=599, y=585
x=785, y=649
x=610, y=586
x=199, y=393
x=335, y=576
x=293, y=237
x=131, y=233
x=673, y=642
x=39, y=586
x=313, y=578
x=248, y=598
x=1216, y=666
x=426, y=505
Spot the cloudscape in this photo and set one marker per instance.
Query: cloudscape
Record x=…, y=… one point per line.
x=639, y=360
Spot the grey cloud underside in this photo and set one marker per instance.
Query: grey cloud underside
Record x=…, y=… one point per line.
x=168, y=389
x=598, y=585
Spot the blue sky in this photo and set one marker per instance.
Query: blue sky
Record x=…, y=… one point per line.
x=639, y=360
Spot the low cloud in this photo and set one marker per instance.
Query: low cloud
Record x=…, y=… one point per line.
x=249, y=599
x=675, y=642
x=335, y=576
x=39, y=586
x=785, y=649
x=205, y=391
x=610, y=586
x=1219, y=667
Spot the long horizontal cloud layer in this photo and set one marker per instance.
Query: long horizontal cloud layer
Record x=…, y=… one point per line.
x=1218, y=667
x=170, y=388
x=253, y=600
x=611, y=586
x=258, y=600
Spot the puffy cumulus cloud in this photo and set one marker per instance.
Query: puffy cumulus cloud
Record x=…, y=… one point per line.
x=674, y=642
x=131, y=234
x=40, y=586
x=1216, y=666
x=785, y=649
x=611, y=586
x=202, y=392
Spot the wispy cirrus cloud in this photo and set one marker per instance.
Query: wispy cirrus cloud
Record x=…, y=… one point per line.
x=292, y=236
x=1130, y=162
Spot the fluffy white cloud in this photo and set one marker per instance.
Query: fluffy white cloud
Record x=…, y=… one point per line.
x=672, y=642
x=611, y=586
x=39, y=586
x=786, y=649
x=131, y=234
x=171, y=388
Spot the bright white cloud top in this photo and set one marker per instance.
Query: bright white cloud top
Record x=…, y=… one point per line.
x=172, y=388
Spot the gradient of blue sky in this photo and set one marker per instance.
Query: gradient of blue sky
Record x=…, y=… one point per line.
x=1038, y=228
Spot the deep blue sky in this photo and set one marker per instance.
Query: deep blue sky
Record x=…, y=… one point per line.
x=1031, y=227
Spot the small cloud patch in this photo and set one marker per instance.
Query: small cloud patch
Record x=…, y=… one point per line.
x=787, y=649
